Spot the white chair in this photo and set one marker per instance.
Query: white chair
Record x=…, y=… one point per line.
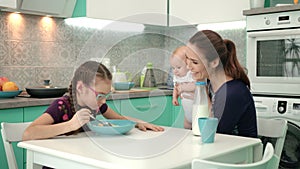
x=267, y=162
x=12, y=132
x=273, y=128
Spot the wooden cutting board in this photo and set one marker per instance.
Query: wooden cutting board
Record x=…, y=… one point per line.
x=132, y=91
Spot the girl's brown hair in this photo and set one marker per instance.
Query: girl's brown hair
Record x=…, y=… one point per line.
x=214, y=46
x=87, y=72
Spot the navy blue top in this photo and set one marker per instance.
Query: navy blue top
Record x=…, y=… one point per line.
x=233, y=105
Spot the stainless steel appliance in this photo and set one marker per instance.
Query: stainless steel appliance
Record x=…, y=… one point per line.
x=273, y=52
x=288, y=108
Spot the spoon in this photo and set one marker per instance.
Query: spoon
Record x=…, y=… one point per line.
x=104, y=123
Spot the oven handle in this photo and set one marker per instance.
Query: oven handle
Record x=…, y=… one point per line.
x=273, y=33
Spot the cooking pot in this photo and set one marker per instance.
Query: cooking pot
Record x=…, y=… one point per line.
x=46, y=91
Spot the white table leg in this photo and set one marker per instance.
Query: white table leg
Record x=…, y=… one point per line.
x=29, y=159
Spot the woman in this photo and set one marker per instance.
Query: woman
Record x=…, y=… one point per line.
x=89, y=88
x=211, y=57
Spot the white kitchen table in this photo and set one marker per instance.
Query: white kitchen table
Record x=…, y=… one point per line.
x=173, y=148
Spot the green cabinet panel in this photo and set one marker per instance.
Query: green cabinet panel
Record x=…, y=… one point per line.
x=115, y=105
x=80, y=9
x=14, y=115
x=178, y=116
x=156, y=110
x=31, y=113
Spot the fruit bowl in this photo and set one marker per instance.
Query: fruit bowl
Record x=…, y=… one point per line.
x=123, y=85
x=9, y=94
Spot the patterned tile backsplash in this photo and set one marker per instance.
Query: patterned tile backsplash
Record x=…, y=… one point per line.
x=32, y=49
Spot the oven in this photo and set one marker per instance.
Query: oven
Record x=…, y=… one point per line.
x=288, y=108
x=273, y=53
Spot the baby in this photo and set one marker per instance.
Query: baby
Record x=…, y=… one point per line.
x=184, y=85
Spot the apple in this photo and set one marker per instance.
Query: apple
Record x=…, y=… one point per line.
x=3, y=79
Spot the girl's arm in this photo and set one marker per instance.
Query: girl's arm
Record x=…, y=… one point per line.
x=43, y=126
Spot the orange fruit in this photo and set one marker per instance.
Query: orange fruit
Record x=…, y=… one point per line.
x=10, y=86
x=3, y=79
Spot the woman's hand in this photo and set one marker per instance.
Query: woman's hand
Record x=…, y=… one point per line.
x=80, y=118
x=147, y=126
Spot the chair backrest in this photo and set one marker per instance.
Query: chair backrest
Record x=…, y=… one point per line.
x=12, y=132
x=266, y=162
x=273, y=128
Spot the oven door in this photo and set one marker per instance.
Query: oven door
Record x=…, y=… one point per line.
x=273, y=61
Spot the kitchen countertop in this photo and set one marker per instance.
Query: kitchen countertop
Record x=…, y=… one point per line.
x=257, y=11
x=21, y=101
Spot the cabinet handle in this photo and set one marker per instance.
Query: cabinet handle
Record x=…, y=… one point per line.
x=145, y=107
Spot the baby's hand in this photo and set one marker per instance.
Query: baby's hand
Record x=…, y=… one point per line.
x=175, y=102
x=179, y=89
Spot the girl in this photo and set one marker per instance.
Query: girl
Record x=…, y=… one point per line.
x=89, y=89
x=211, y=57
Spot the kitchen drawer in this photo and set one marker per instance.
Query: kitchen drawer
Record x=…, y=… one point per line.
x=156, y=110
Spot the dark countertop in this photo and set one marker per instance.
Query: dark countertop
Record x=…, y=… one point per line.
x=257, y=11
x=28, y=101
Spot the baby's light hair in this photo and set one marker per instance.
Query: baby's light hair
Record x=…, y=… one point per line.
x=180, y=52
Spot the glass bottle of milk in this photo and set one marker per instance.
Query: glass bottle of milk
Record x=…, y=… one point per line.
x=200, y=106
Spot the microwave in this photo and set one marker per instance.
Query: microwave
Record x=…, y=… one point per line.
x=273, y=53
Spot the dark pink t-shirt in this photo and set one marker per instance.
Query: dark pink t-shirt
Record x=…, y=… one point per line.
x=60, y=109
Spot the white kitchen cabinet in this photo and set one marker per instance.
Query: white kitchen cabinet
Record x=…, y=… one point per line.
x=163, y=12
x=8, y=4
x=152, y=12
x=183, y=12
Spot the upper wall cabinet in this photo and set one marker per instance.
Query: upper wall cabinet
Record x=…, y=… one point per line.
x=8, y=4
x=55, y=8
x=163, y=12
x=184, y=12
x=152, y=12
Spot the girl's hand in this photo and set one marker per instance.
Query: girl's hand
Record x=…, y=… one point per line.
x=147, y=126
x=80, y=118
